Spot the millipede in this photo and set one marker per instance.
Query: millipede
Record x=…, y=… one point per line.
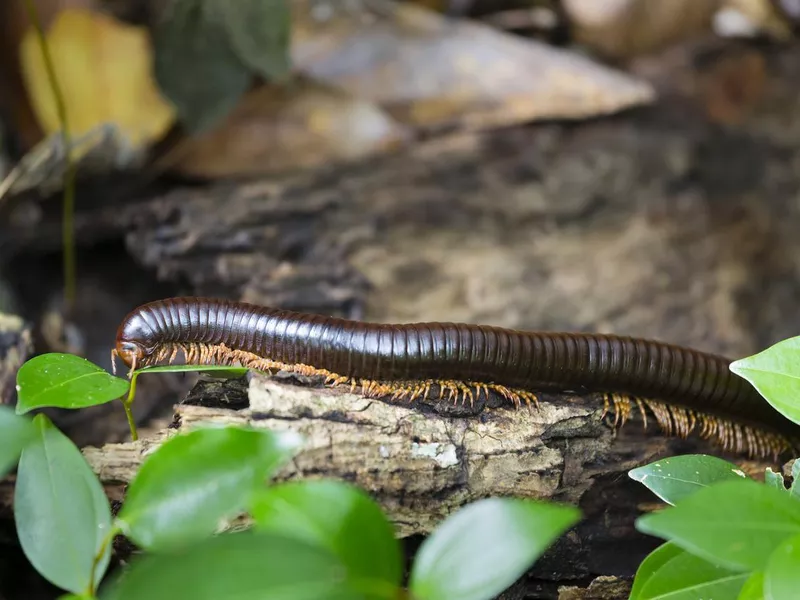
x=684, y=389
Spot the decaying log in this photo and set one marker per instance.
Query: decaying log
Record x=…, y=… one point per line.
x=422, y=462
x=420, y=465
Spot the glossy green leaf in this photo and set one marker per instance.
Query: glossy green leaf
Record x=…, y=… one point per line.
x=483, y=548
x=60, y=509
x=775, y=480
x=352, y=526
x=194, y=480
x=775, y=373
x=244, y=566
x=782, y=575
x=65, y=381
x=15, y=432
x=753, y=588
x=684, y=576
x=736, y=524
x=651, y=564
x=673, y=479
x=196, y=66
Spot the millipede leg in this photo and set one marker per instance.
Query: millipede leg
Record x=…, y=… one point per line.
x=466, y=392
x=530, y=398
x=507, y=393
x=333, y=379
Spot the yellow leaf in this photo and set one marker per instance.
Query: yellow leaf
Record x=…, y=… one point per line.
x=103, y=68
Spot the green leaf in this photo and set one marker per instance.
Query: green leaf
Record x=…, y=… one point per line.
x=673, y=479
x=196, y=66
x=483, y=548
x=753, y=588
x=684, y=576
x=194, y=480
x=775, y=373
x=15, y=432
x=259, y=32
x=736, y=524
x=795, y=487
x=351, y=526
x=651, y=564
x=215, y=370
x=61, y=512
x=782, y=575
x=245, y=566
x=773, y=479
x=65, y=381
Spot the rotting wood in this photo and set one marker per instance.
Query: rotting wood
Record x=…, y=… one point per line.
x=422, y=463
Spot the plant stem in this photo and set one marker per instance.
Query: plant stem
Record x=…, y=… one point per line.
x=126, y=404
x=98, y=557
x=68, y=206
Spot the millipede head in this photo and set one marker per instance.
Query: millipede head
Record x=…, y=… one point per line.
x=137, y=340
x=130, y=353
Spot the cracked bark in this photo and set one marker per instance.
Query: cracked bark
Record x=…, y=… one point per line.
x=419, y=464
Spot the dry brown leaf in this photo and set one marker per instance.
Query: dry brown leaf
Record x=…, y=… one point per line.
x=276, y=128
x=101, y=151
x=622, y=29
x=432, y=71
x=104, y=72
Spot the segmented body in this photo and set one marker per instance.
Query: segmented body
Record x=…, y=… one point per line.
x=696, y=389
